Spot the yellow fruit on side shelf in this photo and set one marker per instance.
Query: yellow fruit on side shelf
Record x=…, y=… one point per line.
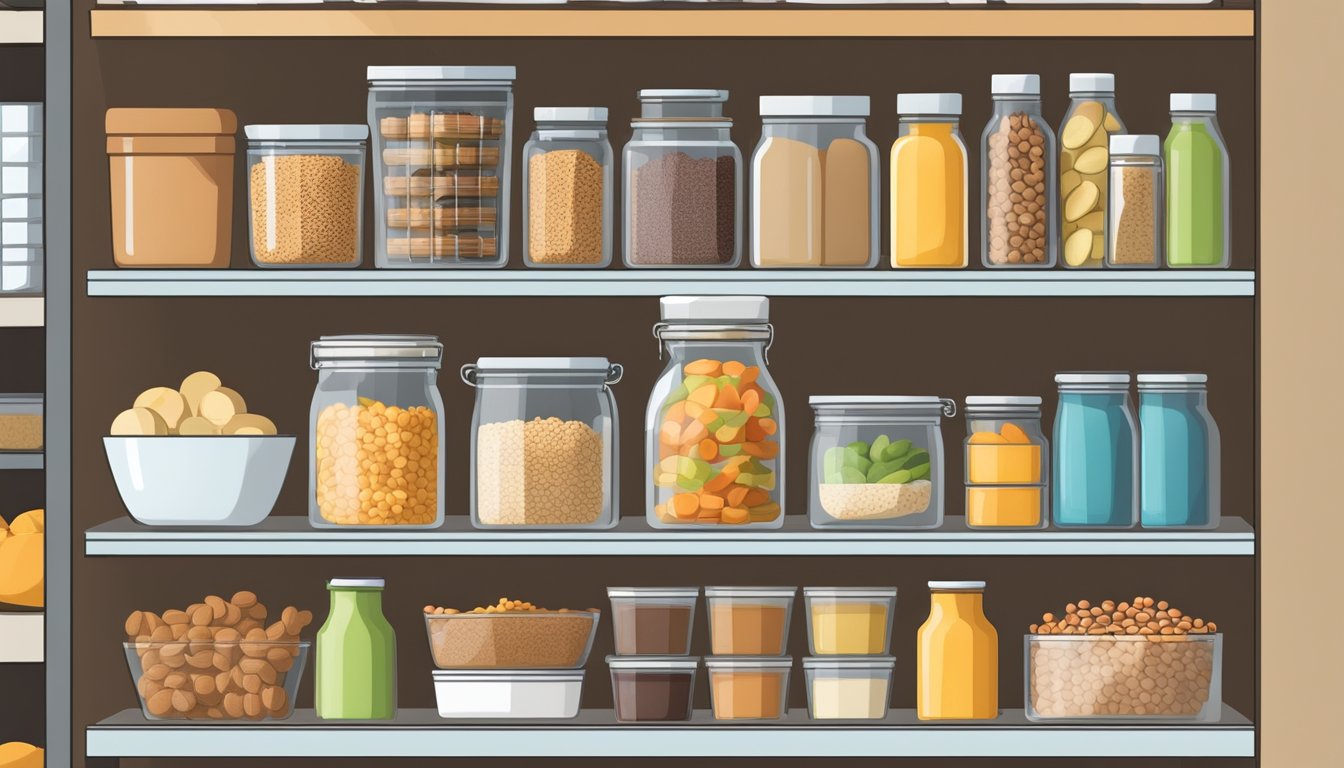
x=22, y=543
x=16, y=754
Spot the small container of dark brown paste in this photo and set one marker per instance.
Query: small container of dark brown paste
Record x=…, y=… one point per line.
x=653, y=621
x=652, y=688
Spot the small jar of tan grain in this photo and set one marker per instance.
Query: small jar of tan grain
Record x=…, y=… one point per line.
x=1134, y=216
x=567, y=176
x=305, y=187
x=544, y=442
x=376, y=439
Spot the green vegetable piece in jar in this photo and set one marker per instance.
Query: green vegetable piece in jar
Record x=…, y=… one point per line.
x=898, y=477
x=724, y=381
x=694, y=382
x=833, y=478
x=896, y=450
x=733, y=418
x=676, y=396
x=879, y=445
x=880, y=470
x=714, y=425
x=857, y=460
x=920, y=472
x=766, y=481
x=689, y=484
x=686, y=466
x=832, y=461
x=729, y=450
x=762, y=411
x=915, y=459
x=851, y=475
x=859, y=447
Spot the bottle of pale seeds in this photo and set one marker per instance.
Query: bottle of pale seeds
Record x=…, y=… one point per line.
x=1084, y=164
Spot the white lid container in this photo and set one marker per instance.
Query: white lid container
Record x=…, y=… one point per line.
x=1135, y=144
x=1194, y=102
x=1008, y=85
x=305, y=133
x=928, y=103
x=509, y=694
x=1091, y=82
x=815, y=106
x=570, y=114
x=462, y=73
x=715, y=309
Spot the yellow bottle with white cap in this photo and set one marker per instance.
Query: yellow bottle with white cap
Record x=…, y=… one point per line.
x=958, y=655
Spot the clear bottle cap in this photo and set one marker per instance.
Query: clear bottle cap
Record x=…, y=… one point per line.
x=570, y=114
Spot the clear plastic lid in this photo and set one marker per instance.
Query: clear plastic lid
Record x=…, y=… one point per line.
x=850, y=592
x=467, y=73
x=786, y=592
x=525, y=364
x=570, y=114
x=1172, y=381
x=315, y=132
x=679, y=592
x=849, y=662
x=1000, y=401
x=956, y=586
x=815, y=106
x=682, y=103
x=895, y=406
x=376, y=351
x=655, y=663
x=1093, y=381
x=748, y=662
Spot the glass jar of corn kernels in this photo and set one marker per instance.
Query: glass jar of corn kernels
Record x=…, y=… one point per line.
x=376, y=456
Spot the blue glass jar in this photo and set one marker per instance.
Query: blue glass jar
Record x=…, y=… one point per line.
x=1180, y=452
x=1096, y=452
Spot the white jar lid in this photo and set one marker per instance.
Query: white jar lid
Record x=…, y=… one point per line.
x=1092, y=82
x=507, y=675
x=548, y=364
x=874, y=400
x=1092, y=378
x=1194, y=102
x=1135, y=144
x=928, y=103
x=443, y=73
x=982, y=401
x=654, y=663
x=682, y=94
x=772, y=592
x=1172, y=378
x=356, y=583
x=677, y=592
x=849, y=662
x=955, y=586
x=1026, y=85
x=570, y=114
x=306, y=132
x=715, y=309
x=814, y=106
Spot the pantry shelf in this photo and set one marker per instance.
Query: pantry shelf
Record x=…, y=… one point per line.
x=292, y=535
x=22, y=311
x=595, y=733
x=661, y=282
x=678, y=22
x=20, y=27
x=15, y=460
x=22, y=636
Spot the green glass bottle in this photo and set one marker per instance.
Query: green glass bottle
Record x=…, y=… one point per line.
x=356, y=655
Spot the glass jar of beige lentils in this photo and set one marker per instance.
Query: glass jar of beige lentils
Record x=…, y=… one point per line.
x=376, y=456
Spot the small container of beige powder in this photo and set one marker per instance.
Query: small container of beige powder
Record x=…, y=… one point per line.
x=567, y=189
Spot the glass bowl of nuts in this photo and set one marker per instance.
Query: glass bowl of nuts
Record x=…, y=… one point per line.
x=511, y=634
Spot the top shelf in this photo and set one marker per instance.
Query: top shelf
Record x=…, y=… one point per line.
x=671, y=22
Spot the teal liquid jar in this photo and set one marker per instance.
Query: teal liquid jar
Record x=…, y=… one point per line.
x=1199, y=230
x=1096, y=452
x=1180, y=452
x=356, y=655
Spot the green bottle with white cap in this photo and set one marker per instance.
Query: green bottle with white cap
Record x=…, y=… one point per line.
x=356, y=655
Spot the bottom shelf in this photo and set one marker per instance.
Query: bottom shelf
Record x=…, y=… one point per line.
x=595, y=733
x=22, y=636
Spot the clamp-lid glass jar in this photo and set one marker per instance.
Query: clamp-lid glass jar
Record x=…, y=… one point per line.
x=442, y=157
x=544, y=442
x=682, y=182
x=814, y=184
x=305, y=186
x=715, y=421
x=1019, y=228
x=376, y=432
x=877, y=461
x=567, y=189
x=1007, y=463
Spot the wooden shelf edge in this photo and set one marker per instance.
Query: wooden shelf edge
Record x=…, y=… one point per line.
x=682, y=22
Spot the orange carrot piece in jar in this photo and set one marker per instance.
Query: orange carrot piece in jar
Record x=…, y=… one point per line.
x=749, y=375
x=735, y=516
x=710, y=501
x=709, y=450
x=733, y=368
x=738, y=495
x=685, y=505
x=703, y=367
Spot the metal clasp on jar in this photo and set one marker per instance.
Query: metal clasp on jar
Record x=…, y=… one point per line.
x=714, y=333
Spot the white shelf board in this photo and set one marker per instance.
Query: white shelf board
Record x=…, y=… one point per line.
x=660, y=282
x=595, y=733
x=22, y=636
x=22, y=311
x=17, y=460
x=20, y=27
x=292, y=535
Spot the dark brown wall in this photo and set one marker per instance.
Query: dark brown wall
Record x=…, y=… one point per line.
x=949, y=347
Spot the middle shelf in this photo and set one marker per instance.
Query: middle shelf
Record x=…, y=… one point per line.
x=293, y=535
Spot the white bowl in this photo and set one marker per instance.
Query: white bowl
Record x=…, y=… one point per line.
x=209, y=480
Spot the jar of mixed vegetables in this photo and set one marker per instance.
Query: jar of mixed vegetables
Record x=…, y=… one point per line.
x=715, y=426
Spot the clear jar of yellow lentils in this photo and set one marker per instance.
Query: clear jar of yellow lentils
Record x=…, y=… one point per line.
x=376, y=437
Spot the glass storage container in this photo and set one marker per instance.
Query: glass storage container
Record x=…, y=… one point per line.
x=21, y=422
x=526, y=694
x=1019, y=228
x=1199, y=230
x=1134, y=213
x=682, y=180
x=1066, y=679
x=958, y=655
x=877, y=461
x=442, y=141
x=929, y=216
x=1096, y=452
x=567, y=193
x=752, y=621
x=368, y=384
x=848, y=688
x=511, y=640
x=21, y=216
x=544, y=445
x=748, y=687
x=814, y=184
x=305, y=187
x=849, y=621
x=1007, y=463
x=653, y=621
x=715, y=421
x=653, y=688
x=1084, y=182
x=1181, y=452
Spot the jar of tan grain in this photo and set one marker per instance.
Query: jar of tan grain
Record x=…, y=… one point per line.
x=567, y=200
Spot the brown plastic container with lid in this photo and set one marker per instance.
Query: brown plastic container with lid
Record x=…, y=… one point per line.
x=172, y=186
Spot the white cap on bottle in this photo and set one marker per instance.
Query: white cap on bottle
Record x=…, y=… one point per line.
x=814, y=106
x=1135, y=144
x=1027, y=85
x=928, y=103
x=570, y=114
x=715, y=309
x=1194, y=102
x=1092, y=82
